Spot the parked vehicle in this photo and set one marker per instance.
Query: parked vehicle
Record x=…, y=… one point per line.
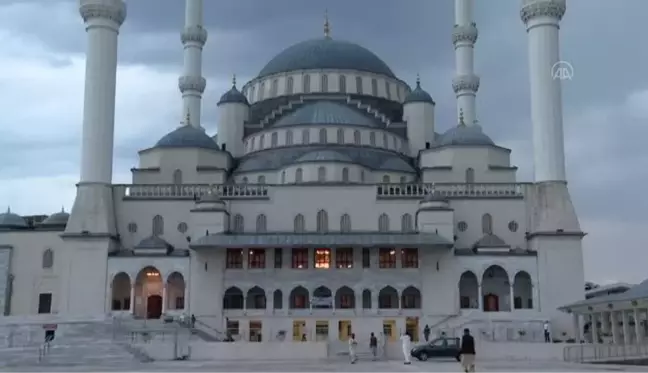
x=438, y=348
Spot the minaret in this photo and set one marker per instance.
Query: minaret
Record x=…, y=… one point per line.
x=466, y=83
x=542, y=18
x=192, y=84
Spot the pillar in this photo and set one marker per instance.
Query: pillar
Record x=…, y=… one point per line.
x=577, y=328
x=594, y=328
x=165, y=297
x=192, y=84
x=511, y=297
x=614, y=320
x=131, y=308
x=480, y=298
x=625, y=319
x=638, y=331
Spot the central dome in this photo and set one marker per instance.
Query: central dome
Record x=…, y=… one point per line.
x=326, y=53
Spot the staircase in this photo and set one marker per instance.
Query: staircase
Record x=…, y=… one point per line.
x=278, y=112
x=367, y=108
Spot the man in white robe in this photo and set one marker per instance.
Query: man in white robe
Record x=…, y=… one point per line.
x=407, y=347
x=353, y=345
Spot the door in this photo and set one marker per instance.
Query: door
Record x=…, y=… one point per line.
x=344, y=330
x=299, y=329
x=389, y=330
x=45, y=303
x=255, y=328
x=153, y=307
x=412, y=328
x=491, y=303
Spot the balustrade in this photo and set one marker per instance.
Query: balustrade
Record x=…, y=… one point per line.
x=191, y=191
x=451, y=190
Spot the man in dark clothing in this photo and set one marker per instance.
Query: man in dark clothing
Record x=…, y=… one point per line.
x=373, y=346
x=467, y=352
x=426, y=332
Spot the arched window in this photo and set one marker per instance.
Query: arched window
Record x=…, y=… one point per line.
x=252, y=143
x=305, y=137
x=340, y=136
x=383, y=223
x=403, y=179
x=362, y=176
x=372, y=138
x=298, y=225
x=261, y=91
x=289, y=137
x=321, y=174
x=395, y=143
x=345, y=223
x=342, y=84
x=386, y=179
x=345, y=174
x=261, y=179
x=261, y=142
x=289, y=85
x=359, y=85
x=283, y=177
x=322, y=221
x=374, y=87
x=306, y=88
x=274, y=139
x=158, y=225
x=252, y=97
x=177, y=177
x=487, y=224
x=48, y=259
x=470, y=175
x=244, y=180
x=239, y=224
x=261, y=224
x=407, y=225
x=274, y=88
x=299, y=175
x=322, y=136
x=324, y=83
x=356, y=137
x=387, y=90
x=385, y=140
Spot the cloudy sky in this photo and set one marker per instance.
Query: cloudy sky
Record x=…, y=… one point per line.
x=606, y=103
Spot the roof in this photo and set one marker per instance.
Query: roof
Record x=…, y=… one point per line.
x=11, y=220
x=326, y=112
x=333, y=239
x=634, y=293
x=490, y=240
x=233, y=96
x=326, y=53
x=418, y=95
x=465, y=135
x=187, y=137
x=153, y=243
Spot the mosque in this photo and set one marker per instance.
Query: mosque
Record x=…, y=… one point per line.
x=329, y=202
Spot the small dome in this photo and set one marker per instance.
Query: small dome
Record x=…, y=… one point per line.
x=56, y=219
x=465, y=135
x=187, y=137
x=153, y=243
x=394, y=163
x=326, y=112
x=233, y=96
x=11, y=220
x=418, y=95
x=324, y=156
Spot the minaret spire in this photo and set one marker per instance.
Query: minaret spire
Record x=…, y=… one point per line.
x=192, y=84
x=327, y=25
x=234, y=80
x=465, y=84
x=418, y=80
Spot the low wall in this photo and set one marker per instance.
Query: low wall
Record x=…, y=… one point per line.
x=238, y=350
x=501, y=351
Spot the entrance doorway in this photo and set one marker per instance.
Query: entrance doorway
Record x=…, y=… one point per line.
x=321, y=330
x=389, y=330
x=153, y=307
x=344, y=330
x=491, y=303
x=45, y=303
x=412, y=328
x=255, y=330
x=299, y=331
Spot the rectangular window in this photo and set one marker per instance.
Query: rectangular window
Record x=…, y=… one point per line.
x=321, y=330
x=386, y=258
x=299, y=258
x=278, y=257
x=366, y=257
x=344, y=257
x=45, y=303
x=234, y=259
x=322, y=259
x=256, y=258
x=409, y=258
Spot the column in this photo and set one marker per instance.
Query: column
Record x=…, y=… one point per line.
x=638, y=331
x=480, y=298
x=625, y=319
x=374, y=300
x=542, y=19
x=577, y=328
x=465, y=83
x=594, y=327
x=615, y=326
x=270, y=300
x=192, y=84
x=512, y=297
x=164, y=297
x=131, y=309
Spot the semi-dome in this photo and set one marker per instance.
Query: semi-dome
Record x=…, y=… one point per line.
x=326, y=112
x=418, y=95
x=56, y=220
x=11, y=220
x=326, y=53
x=187, y=137
x=465, y=135
x=324, y=156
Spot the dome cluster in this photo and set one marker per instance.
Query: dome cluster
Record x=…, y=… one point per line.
x=10, y=220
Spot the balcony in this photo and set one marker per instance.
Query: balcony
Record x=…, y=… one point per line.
x=451, y=190
x=191, y=191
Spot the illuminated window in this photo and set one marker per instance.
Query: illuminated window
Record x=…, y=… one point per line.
x=322, y=258
x=344, y=257
x=256, y=258
x=299, y=258
x=387, y=258
x=234, y=259
x=409, y=258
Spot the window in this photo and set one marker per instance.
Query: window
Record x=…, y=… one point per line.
x=321, y=174
x=305, y=137
x=386, y=258
x=289, y=137
x=362, y=176
x=344, y=257
x=252, y=94
x=283, y=177
x=339, y=138
x=322, y=136
x=306, y=87
x=261, y=179
x=177, y=177
x=261, y=224
x=383, y=223
x=261, y=142
x=366, y=257
x=407, y=224
x=182, y=227
x=299, y=175
x=387, y=90
x=386, y=179
x=385, y=141
x=374, y=87
x=252, y=143
x=299, y=258
x=347, y=301
x=513, y=226
x=359, y=84
x=234, y=259
x=372, y=138
x=238, y=223
x=462, y=226
x=298, y=224
x=342, y=84
x=278, y=257
x=132, y=227
x=274, y=139
x=48, y=259
x=324, y=83
x=345, y=223
x=261, y=91
x=45, y=303
x=244, y=180
x=409, y=258
x=158, y=225
x=403, y=179
x=395, y=142
x=322, y=221
x=274, y=88
x=256, y=258
x=345, y=175
x=356, y=138
x=322, y=259
x=289, y=85
x=487, y=224
x=470, y=175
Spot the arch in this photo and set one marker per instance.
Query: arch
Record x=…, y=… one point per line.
x=383, y=223
x=321, y=174
x=345, y=298
x=239, y=224
x=176, y=286
x=387, y=298
x=299, y=298
x=148, y=293
x=324, y=83
x=522, y=291
x=158, y=225
x=407, y=223
x=299, y=175
x=339, y=137
x=322, y=221
x=283, y=177
x=487, y=224
x=274, y=139
x=411, y=298
x=372, y=138
x=261, y=91
x=323, y=138
x=177, y=177
x=121, y=292
x=290, y=85
x=262, y=141
x=496, y=289
x=357, y=140
x=468, y=290
x=470, y=175
x=306, y=84
x=255, y=299
x=345, y=174
x=345, y=223
x=233, y=299
x=359, y=89
x=342, y=84
x=374, y=87
x=305, y=136
x=322, y=297
x=277, y=299
x=274, y=88
x=299, y=225
x=366, y=299
x=261, y=223
x=388, y=89
x=261, y=179
x=48, y=259
x=289, y=137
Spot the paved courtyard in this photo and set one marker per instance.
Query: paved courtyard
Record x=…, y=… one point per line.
x=336, y=366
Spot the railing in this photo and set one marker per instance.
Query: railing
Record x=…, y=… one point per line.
x=589, y=353
x=451, y=190
x=191, y=191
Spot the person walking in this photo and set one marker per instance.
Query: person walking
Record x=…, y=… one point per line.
x=467, y=352
x=406, y=345
x=353, y=344
x=373, y=346
x=547, y=333
x=426, y=332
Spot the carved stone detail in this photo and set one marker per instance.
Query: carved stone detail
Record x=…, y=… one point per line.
x=543, y=8
x=463, y=33
x=196, y=34
x=111, y=10
x=192, y=83
x=465, y=83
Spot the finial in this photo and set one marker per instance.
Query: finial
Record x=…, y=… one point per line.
x=62, y=208
x=327, y=25
x=418, y=79
x=8, y=210
x=461, y=118
x=234, y=80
